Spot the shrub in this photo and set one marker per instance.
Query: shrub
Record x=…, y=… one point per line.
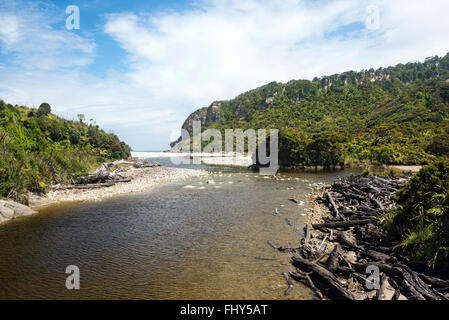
x=439, y=145
x=44, y=109
x=421, y=220
x=291, y=148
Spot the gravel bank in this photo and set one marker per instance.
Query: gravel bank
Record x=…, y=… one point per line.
x=218, y=159
x=408, y=168
x=142, y=179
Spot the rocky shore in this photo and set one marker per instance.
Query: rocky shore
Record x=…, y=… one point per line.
x=134, y=180
x=11, y=210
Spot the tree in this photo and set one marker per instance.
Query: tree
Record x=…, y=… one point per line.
x=323, y=150
x=444, y=92
x=44, y=109
x=81, y=117
x=439, y=145
x=291, y=148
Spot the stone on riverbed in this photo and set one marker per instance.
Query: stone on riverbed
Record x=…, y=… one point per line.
x=10, y=210
x=351, y=256
x=6, y=212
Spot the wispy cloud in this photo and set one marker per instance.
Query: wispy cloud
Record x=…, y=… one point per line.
x=27, y=34
x=9, y=30
x=180, y=61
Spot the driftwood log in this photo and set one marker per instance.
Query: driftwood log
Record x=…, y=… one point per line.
x=343, y=224
x=328, y=283
x=335, y=211
x=289, y=283
x=148, y=165
x=104, y=177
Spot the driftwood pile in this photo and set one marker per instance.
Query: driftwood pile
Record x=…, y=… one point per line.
x=104, y=177
x=348, y=257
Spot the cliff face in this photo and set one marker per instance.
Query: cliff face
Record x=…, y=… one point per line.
x=206, y=115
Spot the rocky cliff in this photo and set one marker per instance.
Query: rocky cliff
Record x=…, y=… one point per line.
x=206, y=115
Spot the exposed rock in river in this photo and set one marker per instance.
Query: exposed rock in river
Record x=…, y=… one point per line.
x=11, y=210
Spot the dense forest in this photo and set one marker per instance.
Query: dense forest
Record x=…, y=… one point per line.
x=394, y=115
x=38, y=149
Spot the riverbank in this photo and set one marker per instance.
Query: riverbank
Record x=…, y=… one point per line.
x=245, y=160
x=10, y=210
x=344, y=243
x=216, y=159
x=332, y=246
x=142, y=179
x=407, y=168
x=236, y=161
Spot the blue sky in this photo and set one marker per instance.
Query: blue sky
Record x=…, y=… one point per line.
x=139, y=68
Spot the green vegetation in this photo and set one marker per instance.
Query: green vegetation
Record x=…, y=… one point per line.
x=44, y=109
x=299, y=149
x=394, y=115
x=38, y=149
x=421, y=220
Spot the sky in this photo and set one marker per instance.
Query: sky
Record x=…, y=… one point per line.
x=139, y=68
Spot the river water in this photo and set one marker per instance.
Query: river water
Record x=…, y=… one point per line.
x=181, y=240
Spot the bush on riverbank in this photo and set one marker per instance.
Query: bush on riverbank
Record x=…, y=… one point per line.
x=296, y=148
x=421, y=220
x=404, y=145
x=38, y=149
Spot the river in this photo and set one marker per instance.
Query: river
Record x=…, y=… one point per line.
x=179, y=240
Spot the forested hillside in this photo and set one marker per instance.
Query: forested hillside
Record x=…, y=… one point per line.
x=38, y=149
x=394, y=115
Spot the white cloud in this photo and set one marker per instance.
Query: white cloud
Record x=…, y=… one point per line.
x=215, y=50
x=222, y=48
x=9, y=30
